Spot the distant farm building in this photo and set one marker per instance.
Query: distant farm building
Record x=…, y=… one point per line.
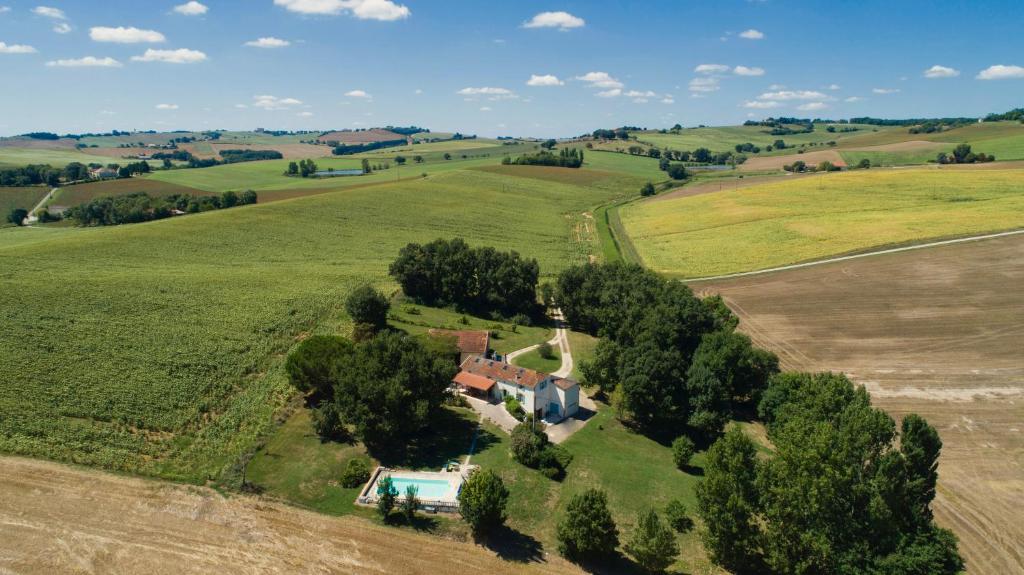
x=468, y=342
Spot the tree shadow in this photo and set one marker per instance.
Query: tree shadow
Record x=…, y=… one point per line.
x=511, y=545
x=448, y=438
x=620, y=564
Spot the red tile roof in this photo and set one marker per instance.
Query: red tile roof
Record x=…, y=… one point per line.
x=467, y=341
x=468, y=379
x=498, y=371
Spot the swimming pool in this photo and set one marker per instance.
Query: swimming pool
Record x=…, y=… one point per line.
x=434, y=489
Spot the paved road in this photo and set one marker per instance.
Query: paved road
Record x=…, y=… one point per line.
x=858, y=256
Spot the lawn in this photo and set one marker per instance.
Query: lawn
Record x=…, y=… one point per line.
x=533, y=360
x=505, y=337
x=813, y=218
x=157, y=348
x=15, y=197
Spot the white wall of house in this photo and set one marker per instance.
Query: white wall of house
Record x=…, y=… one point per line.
x=546, y=397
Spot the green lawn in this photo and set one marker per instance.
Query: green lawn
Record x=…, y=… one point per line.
x=583, y=346
x=812, y=218
x=533, y=360
x=505, y=337
x=157, y=348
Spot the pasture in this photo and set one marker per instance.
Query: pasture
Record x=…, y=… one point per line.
x=936, y=332
x=803, y=219
x=165, y=358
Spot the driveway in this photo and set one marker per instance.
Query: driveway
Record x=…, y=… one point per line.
x=495, y=412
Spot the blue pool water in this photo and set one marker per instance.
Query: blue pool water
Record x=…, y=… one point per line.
x=428, y=488
x=337, y=173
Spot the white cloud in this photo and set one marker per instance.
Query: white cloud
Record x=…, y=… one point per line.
x=306, y=114
x=752, y=34
x=545, y=80
x=16, y=49
x=166, y=106
x=358, y=94
x=62, y=28
x=417, y=91
x=783, y=95
x=833, y=87
x=812, y=106
x=4, y=9
x=485, y=108
x=191, y=8
x=561, y=20
x=383, y=10
x=937, y=71
x=639, y=94
x=86, y=62
x=1001, y=72
x=601, y=80
x=241, y=106
x=179, y=56
x=487, y=91
x=745, y=71
x=711, y=69
x=274, y=103
x=704, y=85
x=48, y=12
x=761, y=105
x=668, y=100
x=853, y=99
x=885, y=90
x=774, y=87
x=268, y=42
x=613, y=93
x=122, y=35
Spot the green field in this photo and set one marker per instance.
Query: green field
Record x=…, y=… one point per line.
x=69, y=196
x=724, y=139
x=14, y=197
x=781, y=223
x=877, y=159
x=164, y=357
x=56, y=158
x=533, y=360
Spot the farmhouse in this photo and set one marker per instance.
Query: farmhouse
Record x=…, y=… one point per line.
x=103, y=173
x=468, y=342
x=546, y=396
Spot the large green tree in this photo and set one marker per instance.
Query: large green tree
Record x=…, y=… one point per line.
x=653, y=544
x=482, y=502
x=368, y=306
x=311, y=365
x=587, y=532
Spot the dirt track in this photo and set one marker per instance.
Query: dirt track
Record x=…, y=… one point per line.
x=937, y=332
x=60, y=519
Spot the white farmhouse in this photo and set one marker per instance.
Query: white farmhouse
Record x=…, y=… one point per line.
x=546, y=396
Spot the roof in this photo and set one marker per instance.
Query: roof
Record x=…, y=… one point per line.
x=498, y=371
x=476, y=342
x=472, y=380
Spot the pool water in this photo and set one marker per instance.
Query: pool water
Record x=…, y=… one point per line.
x=428, y=488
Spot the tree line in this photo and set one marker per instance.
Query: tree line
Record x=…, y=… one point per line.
x=962, y=154
x=566, y=158
x=349, y=149
x=141, y=207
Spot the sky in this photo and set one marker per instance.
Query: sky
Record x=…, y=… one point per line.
x=496, y=67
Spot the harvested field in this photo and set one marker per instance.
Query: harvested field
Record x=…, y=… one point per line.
x=759, y=163
x=289, y=151
x=938, y=332
x=363, y=137
x=720, y=185
x=59, y=519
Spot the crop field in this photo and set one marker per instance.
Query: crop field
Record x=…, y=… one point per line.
x=760, y=163
x=722, y=139
x=56, y=158
x=81, y=193
x=27, y=198
x=637, y=166
x=289, y=151
x=810, y=218
x=165, y=357
x=361, y=137
x=937, y=332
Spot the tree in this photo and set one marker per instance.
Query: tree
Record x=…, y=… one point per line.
x=386, y=496
x=447, y=156
x=727, y=502
x=311, y=365
x=677, y=516
x=418, y=159
x=366, y=305
x=410, y=503
x=229, y=199
x=17, y=216
x=864, y=164
x=548, y=144
x=682, y=451
x=962, y=154
x=586, y=532
x=546, y=351
x=400, y=160
x=653, y=545
x=647, y=190
x=482, y=502
x=920, y=446
x=293, y=169
x=678, y=172
x=528, y=444
x=356, y=473
x=247, y=197
x=366, y=166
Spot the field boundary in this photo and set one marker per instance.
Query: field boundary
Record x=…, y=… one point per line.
x=858, y=256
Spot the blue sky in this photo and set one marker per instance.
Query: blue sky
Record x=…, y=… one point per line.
x=467, y=65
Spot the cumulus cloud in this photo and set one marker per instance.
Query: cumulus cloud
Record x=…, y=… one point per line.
x=16, y=49
x=4, y=9
x=48, y=12
x=306, y=114
x=784, y=95
x=937, y=71
x=561, y=20
x=885, y=90
x=544, y=80
x=601, y=80
x=853, y=99
x=711, y=69
x=1001, y=72
x=491, y=93
x=166, y=106
x=702, y=85
x=86, y=62
x=62, y=28
x=266, y=102
x=668, y=100
x=833, y=87
x=179, y=56
x=613, y=93
x=383, y=10
x=191, y=8
x=358, y=94
x=485, y=108
x=761, y=105
x=812, y=106
x=268, y=42
x=639, y=94
x=752, y=34
x=748, y=71
x=122, y=35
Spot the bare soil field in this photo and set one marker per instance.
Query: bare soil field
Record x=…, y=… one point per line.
x=363, y=137
x=938, y=332
x=61, y=519
x=776, y=162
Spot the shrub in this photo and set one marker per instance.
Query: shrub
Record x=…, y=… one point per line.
x=356, y=473
x=528, y=444
x=386, y=496
x=369, y=306
x=864, y=164
x=553, y=461
x=327, y=421
x=653, y=545
x=587, y=531
x=678, y=516
x=482, y=502
x=647, y=190
x=682, y=451
x=522, y=319
x=17, y=216
x=410, y=503
x=513, y=407
x=545, y=350
x=678, y=172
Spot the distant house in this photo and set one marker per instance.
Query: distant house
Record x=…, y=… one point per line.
x=544, y=395
x=102, y=174
x=468, y=342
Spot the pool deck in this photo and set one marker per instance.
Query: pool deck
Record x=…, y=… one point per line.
x=449, y=503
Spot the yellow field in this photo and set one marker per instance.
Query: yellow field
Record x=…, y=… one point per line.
x=811, y=218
